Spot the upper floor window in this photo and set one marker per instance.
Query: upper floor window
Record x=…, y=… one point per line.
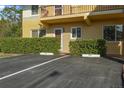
x=113, y=33
x=58, y=10
x=75, y=32
x=34, y=9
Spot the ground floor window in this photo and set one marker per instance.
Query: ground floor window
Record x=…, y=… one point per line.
x=38, y=32
x=75, y=32
x=42, y=32
x=34, y=33
x=113, y=33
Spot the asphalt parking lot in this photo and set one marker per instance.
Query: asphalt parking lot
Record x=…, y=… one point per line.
x=36, y=71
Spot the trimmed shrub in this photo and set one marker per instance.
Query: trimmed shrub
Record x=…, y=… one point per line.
x=29, y=45
x=79, y=47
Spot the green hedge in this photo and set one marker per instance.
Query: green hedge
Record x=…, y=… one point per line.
x=79, y=47
x=29, y=45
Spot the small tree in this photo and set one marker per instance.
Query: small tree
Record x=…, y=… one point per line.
x=11, y=20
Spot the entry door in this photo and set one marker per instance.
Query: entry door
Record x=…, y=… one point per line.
x=59, y=34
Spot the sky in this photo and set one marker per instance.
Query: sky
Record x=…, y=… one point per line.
x=1, y=7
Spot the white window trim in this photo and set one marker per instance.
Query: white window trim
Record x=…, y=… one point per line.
x=38, y=33
x=115, y=32
x=62, y=10
x=36, y=15
x=30, y=15
x=76, y=33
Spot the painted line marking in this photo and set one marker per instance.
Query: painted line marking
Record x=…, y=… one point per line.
x=32, y=67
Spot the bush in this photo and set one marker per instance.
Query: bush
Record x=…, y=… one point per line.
x=29, y=45
x=79, y=47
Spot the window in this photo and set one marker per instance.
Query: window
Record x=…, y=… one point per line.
x=119, y=32
x=109, y=33
x=42, y=32
x=38, y=33
x=76, y=32
x=113, y=33
x=35, y=33
x=58, y=10
x=34, y=9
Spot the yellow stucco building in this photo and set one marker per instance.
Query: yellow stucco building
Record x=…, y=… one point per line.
x=71, y=22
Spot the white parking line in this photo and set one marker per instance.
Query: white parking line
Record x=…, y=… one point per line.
x=24, y=70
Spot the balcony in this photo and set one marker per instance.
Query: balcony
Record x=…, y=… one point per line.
x=74, y=9
x=79, y=12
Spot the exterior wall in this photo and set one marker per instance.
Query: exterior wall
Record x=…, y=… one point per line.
x=29, y=24
x=123, y=44
x=113, y=48
x=123, y=48
x=66, y=35
x=29, y=21
x=87, y=32
x=94, y=31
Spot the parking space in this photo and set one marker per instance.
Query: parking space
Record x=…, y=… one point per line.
x=66, y=72
x=14, y=64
